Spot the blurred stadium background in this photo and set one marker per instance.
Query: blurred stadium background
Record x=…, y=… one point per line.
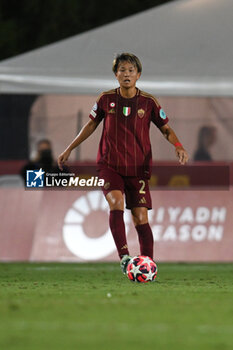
x=186, y=51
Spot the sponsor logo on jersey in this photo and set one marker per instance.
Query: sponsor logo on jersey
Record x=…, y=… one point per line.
x=162, y=114
x=35, y=178
x=126, y=111
x=141, y=113
x=112, y=111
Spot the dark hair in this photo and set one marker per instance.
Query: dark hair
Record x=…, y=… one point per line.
x=126, y=57
x=205, y=132
x=44, y=141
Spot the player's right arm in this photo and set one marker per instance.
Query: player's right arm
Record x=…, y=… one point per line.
x=96, y=116
x=85, y=132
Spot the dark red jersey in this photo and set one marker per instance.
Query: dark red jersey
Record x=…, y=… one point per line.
x=125, y=142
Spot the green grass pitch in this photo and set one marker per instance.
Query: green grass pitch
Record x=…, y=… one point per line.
x=93, y=306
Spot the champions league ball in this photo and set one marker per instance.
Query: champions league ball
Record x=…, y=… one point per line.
x=141, y=269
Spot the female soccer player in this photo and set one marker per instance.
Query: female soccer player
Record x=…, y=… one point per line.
x=124, y=156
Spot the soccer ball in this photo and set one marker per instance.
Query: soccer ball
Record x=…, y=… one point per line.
x=141, y=269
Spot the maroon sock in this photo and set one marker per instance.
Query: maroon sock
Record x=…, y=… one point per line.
x=145, y=237
x=117, y=227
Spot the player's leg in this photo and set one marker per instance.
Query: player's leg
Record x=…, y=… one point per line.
x=115, y=201
x=113, y=190
x=145, y=236
x=138, y=200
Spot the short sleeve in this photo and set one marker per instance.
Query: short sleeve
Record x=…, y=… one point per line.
x=158, y=116
x=97, y=113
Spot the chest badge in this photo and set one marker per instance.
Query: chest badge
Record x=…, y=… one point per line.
x=112, y=111
x=141, y=113
x=112, y=108
x=126, y=111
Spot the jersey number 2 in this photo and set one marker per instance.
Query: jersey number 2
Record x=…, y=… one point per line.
x=141, y=191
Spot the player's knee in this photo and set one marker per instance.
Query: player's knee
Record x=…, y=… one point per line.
x=140, y=218
x=140, y=221
x=116, y=202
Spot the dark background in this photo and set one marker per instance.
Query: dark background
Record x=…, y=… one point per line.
x=28, y=24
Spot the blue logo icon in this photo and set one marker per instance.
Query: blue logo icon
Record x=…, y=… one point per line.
x=162, y=114
x=35, y=178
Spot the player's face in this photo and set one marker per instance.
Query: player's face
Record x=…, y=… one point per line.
x=127, y=75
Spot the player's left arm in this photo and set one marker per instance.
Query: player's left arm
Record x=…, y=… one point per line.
x=170, y=135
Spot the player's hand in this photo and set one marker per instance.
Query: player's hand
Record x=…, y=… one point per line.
x=63, y=158
x=182, y=155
